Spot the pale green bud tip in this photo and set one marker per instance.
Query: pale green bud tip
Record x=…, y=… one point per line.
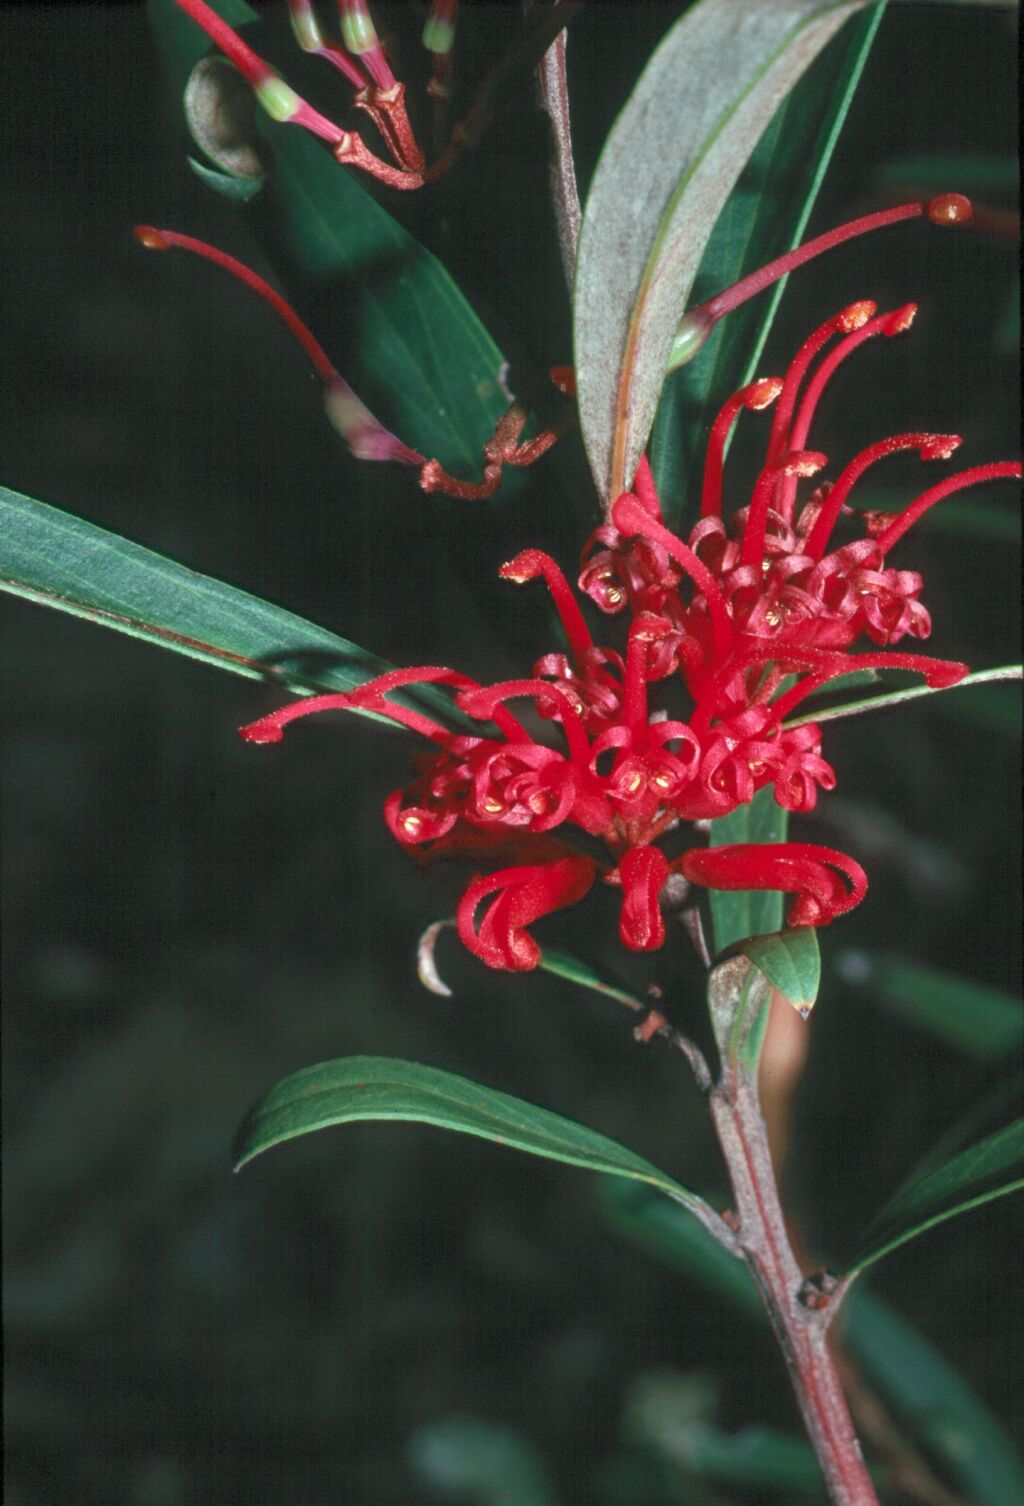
x=694, y=329
x=358, y=31
x=279, y=101
x=438, y=35
x=307, y=32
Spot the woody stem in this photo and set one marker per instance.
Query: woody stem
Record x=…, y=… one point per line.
x=800, y=1330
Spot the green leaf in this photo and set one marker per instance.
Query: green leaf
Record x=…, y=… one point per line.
x=376, y=1087
x=667, y=169
x=981, y=1022
x=562, y=965
x=897, y=697
x=981, y=1118
x=61, y=561
x=766, y=216
x=932, y=1403
x=423, y=361
x=413, y=348
x=992, y=1168
x=240, y=190
x=791, y=962
x=737, y=914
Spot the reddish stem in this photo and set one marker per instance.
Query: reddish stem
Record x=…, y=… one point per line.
x=800, y=1330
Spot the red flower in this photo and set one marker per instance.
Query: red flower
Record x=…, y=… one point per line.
x=753, y=613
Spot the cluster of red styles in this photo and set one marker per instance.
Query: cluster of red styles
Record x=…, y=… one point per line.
x=739, y=623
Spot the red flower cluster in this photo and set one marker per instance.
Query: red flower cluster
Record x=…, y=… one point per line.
x=741, y=623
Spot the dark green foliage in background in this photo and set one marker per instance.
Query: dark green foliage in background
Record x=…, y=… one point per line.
x=384, y=1314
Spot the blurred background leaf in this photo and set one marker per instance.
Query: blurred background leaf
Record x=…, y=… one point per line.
x=473, y=1460
x=981, y=1022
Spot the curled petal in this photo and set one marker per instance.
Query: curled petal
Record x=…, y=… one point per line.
x=826, y=883
x=799, y=778
x=642, y=872
x=413, y=824
x=523, y=895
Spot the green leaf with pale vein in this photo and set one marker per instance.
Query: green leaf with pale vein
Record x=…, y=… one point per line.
x=667, y=169
x=766, y=216
x=359, y=1088
x=992, y=1168
x=1006, y=672
x=60, y=561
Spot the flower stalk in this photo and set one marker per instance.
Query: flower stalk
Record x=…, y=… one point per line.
x=799, y=1311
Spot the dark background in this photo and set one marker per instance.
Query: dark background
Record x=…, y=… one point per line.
x=188, y=919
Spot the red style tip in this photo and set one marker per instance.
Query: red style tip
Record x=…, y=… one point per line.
x=856, y=315
x=524, y=567
x=950, y=209
x=151, y=238
x=803, y=463
x=900, y=320
x=762, y=393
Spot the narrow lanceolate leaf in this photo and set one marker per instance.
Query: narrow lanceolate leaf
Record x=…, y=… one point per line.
x=562, y=965
x=1006, y=672
x=668, y=167
x=403, y=336
x=375, y=1087
x=990, y=1169
x=766, y=216
x=737, y=914
x=61, y=561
